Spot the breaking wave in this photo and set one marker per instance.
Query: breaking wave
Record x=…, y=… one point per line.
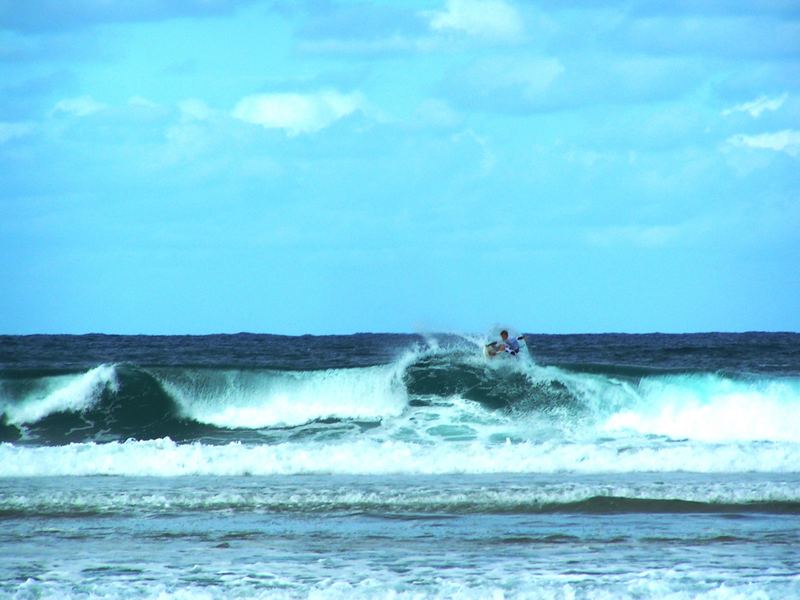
x=430, y=411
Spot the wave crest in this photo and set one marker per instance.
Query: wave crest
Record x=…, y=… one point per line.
x=427, y=396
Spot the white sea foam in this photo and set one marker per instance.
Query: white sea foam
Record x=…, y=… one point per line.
x=368, y=456
x=259, y=399
x=506, y=494
x=713, y=409
x=500, y=579
x=61, y=393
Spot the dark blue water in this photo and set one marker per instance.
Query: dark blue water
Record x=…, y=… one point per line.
x=632, y=466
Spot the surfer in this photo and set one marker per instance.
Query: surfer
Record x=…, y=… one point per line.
x=509, y=345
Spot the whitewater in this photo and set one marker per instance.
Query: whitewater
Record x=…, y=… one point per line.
x=400, y=466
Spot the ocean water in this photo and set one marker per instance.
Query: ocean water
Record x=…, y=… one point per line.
x=400, y=466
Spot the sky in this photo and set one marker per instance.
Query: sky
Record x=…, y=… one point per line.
x=336, y=166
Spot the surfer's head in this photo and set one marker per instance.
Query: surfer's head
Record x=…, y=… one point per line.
x=504, y=335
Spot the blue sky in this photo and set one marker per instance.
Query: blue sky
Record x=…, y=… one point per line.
x=331, y=166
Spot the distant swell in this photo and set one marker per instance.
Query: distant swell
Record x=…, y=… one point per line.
x=412, y=501
x=610, y=505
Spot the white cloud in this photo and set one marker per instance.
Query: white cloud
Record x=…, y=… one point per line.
x=297, y=113
x=787, y=141
x=755, y=107
x=82, y=106
x=492, y=19
x=193, y=109
x=9, y=131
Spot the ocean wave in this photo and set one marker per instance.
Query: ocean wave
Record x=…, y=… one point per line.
x=252, y=399
x=109, y=402
x=360, y=456
x=44, y=396
x=428, y=395
x=510, y=495
x=506, y=581
x=713, y=408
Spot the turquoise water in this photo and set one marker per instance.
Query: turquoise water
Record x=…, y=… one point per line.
x=400, y=467
x=404, y=536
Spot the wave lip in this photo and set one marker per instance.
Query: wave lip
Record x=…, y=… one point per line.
x=259, y=399
x=60, y=393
